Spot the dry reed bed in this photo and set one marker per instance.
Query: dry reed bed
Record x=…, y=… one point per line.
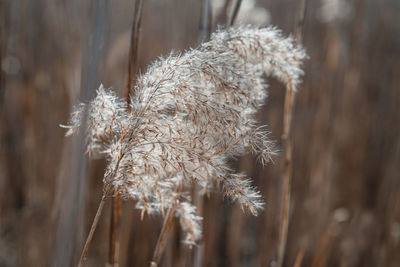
x=346, y=140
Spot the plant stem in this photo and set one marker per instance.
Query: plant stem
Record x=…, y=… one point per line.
x=163, y=237
x=91, y=232
x=222, y=17
x=287, y=147
x=299, y=259
x=206, y=24
x=205, y=21
x=116, y=209
x=235, y=12
x=134, y=47
x=300, y=22
x=287, y=172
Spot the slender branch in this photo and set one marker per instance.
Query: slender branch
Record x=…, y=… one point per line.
x=163, y=237
x=287, y=147
x=235, y=12
x=91, y=232
x=133, y=51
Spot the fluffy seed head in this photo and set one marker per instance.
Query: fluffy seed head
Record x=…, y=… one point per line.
x=188, y=115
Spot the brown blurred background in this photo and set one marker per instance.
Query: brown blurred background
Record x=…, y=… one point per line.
x=346, y=174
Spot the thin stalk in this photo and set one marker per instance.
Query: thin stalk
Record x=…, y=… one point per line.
x=300, y=22
x=134, y=47
x=116, y=211
x=116, y=208
x=222, y=17
x=287, y=147
x=167, y=227
x=205, y=21
x=235, y=12
x=198, y=199
x=70, y=213
x=287, y=173
x=91, y=232
x=299, y=259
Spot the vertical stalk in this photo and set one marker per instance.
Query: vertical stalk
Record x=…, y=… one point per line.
x=205, y=21
x=116, y=208
x=205, y=27
x=134, y=47
x=71, y=212
x=204, y=34
x=299, y=259
x=287, y=147
x=286, y=175
x=163, y=237
x=91, y=232
x=235, y=12
x=166, y=229
x=222, y=18
x=300, y=22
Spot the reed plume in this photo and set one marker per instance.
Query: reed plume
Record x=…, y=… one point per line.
x=189, y=114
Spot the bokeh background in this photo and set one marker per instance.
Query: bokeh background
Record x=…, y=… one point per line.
x=346, y=129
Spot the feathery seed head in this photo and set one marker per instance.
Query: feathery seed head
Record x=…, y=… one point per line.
x=189, y=114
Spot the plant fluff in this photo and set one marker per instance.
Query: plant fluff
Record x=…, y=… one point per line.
x=188, y=115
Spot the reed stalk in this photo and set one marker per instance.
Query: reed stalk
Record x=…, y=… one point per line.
x=205, y=21
x=116, y=211
x=288, y=147
x=116, y=208
x=299, y=259
x=204, y=34
x=91, y=232
x=166, y=229
x=235, y=12
x=134, y=47
x=96, y=219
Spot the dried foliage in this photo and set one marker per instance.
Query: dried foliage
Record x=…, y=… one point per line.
x=189, y=114
x=345, y=205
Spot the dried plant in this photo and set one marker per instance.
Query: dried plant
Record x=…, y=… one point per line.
x=188, y=115
x=287, y=146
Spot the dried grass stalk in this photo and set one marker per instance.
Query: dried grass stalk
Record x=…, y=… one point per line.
x=235, y=12
x=132, y=65
x=91, y=232
x=287, y=146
